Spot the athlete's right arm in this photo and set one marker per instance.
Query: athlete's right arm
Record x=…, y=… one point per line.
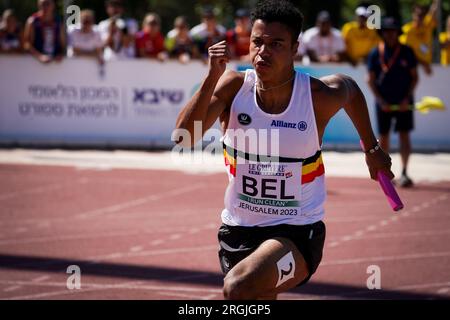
x=215, y=95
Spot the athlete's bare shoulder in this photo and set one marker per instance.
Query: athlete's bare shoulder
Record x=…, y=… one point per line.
x=334, y=84
x=332, y=90
x=329, y=94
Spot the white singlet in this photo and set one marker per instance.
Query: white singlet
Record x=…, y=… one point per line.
x=274, y=161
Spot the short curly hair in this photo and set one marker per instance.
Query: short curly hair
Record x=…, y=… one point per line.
x=281, y=11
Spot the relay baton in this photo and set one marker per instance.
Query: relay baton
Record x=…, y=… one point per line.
x=388, y=189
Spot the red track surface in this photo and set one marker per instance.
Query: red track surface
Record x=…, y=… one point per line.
x=139, y=234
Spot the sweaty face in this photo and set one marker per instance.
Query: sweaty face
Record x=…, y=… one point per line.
x=271, y=48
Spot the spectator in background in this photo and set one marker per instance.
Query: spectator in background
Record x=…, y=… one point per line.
x=179, y=43
x=150, y=41
x=418, y=34
x=11, y=38
x=114, y=38
x=208, y=32
x=127, y=49
x=393, y=78
x=324, y=43
x=84, y=40
x=444, y=39
x=359, y=39
x=115, y=11
x=44, y=33
x=238, y=38
x=116, y=29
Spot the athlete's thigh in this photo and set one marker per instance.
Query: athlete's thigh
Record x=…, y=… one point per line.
x=275, y=266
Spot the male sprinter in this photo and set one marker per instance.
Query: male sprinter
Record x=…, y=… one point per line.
x=272, y=233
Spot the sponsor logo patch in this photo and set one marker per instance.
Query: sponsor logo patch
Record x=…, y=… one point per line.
x=302, y=126
x=244, y=119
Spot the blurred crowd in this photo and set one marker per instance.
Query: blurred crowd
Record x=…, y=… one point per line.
x=46, y=37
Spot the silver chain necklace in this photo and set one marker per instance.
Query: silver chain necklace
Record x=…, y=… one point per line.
x=275, y=87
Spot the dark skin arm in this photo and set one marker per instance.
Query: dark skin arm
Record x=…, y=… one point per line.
x=335, y=92
x=214, y=96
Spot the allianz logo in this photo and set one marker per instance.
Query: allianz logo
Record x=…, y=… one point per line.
x=302, y=125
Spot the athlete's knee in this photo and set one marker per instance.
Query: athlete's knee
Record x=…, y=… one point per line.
x=238, y=287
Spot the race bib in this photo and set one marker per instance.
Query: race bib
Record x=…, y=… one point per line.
x=271, y=188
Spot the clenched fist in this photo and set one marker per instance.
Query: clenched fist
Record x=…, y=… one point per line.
x=218, y=58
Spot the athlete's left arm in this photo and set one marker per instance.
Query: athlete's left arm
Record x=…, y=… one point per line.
x=335, y=92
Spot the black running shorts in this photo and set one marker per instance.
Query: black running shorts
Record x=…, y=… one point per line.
x=236, y=242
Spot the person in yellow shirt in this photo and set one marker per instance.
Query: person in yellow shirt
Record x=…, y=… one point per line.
x=444, y=39
x=418, y=34
x=359, y=39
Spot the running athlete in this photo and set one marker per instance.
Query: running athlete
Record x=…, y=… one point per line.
x=272, y=235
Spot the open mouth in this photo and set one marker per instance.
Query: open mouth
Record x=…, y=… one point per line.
x=262, y=63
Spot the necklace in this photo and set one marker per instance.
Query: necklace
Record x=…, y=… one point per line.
x=275, y=87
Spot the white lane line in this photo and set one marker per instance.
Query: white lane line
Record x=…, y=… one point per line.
x=12, y=288
x=86, y=287
x=35, y=280
x=136, y=248
x=65, y=238
x=399, y=235
x=44, y=295
x=382, y=223
x=35, y=190
x=119, y=255
x=423, y=285
x=358, y=233
x=126, y=285
x=179, y=295
x=115, y=208
x=443, y=290
x=175, y=237
x=97, y=235
x=400, y=288
x=40, y=279
x=43, y=225
x=137, y=202
x=427, y=255
x=333, y=244
x=156, y=242
x=349, y=219
x=20, y=230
